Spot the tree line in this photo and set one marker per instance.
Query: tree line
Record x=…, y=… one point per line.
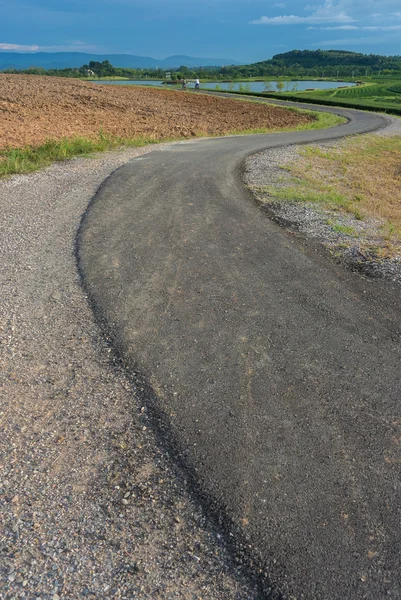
x=319, y=63
x=294, y=64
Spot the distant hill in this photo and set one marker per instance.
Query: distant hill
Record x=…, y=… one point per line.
x=63, y=60
x=323, y=58
x=317, y=63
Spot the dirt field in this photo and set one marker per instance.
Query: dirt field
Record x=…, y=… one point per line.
x=34, y=109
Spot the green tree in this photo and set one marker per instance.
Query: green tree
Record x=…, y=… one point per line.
x=267, y=85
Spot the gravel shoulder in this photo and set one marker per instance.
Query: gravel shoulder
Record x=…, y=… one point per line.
x=267, y=169
x=91, y=506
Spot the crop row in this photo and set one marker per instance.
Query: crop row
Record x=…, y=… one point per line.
x=395, y=88
x=365, y=91
x=391, y=104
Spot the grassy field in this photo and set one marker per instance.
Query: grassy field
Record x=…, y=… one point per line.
x=361, y=179
x=376, y=95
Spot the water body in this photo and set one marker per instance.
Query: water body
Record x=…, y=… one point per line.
x=248, y=86
x=289, y=86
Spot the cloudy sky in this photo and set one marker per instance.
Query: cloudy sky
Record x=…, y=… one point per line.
x=244, y=30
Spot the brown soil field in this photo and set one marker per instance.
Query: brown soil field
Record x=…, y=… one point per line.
x=34, y=109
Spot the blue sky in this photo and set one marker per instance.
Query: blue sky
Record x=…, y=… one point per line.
x=244, y=30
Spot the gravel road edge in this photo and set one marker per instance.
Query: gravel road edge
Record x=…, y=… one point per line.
x=92, y=506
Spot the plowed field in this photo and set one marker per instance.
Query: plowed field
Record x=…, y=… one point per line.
x=34, y=109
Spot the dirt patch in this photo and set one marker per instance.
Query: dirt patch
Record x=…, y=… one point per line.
x=35, y=109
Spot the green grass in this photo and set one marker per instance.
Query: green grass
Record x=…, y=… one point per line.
x=384, y=97
x=321, y=121
x=28, y=159
x=395, y=88
x=303, y=192
x=345, y=229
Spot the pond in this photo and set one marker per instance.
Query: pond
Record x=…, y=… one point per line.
x=245, y=86
x=271, y=86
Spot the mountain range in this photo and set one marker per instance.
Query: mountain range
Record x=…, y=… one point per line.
x=63, y=60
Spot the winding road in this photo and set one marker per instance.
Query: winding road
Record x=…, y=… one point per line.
x=276, y=371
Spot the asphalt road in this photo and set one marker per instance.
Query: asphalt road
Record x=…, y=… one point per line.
x=277, y=370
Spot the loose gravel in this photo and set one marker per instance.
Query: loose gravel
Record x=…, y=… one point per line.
x=267, y=169
x=91, y=505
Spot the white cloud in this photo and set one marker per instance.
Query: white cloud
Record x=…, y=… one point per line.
x=339, y=27
x=364, y=28
x=76, y=46
x=386, y=28
x=296, y=20
x=341, y=12
x=328, y=12
x=18, y=48
x=72, y=47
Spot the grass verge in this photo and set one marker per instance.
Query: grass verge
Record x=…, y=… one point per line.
x=33, y=158
x=361, y=179
x=321, y=120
